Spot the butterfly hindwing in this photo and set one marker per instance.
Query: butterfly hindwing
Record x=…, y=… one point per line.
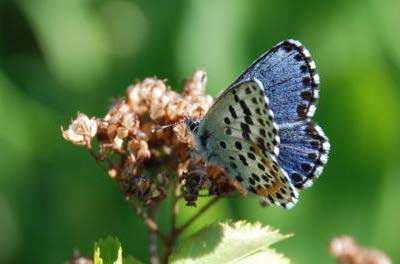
x=303, y=152
x=291, y=82
x=243, y=138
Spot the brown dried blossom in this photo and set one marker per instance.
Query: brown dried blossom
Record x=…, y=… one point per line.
x=347, y=251
x=141, y=160
x=78, y=259
x=81, y=131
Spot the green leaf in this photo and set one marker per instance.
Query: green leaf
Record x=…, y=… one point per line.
x=269, y=256
x=238, y=242
x=108, y=251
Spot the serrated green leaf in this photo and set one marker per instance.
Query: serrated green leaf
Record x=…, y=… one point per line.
x=269, y=256
x=96, y=257
x=230, y=243
x=108, y=251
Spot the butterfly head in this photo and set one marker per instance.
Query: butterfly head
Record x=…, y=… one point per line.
x=193, y=125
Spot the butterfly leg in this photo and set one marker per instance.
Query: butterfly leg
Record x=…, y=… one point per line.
x=197, y=172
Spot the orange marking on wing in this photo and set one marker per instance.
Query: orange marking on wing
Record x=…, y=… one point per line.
x=276, y=181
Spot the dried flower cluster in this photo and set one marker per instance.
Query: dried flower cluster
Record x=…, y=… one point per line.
x=143, y=161
x=347, y=251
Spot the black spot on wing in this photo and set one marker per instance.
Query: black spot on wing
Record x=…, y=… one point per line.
x=245, y=131
x=233, y=112
x=245, y=108
x=248, y=120
x=251, y=156
x=243, y=160
x=238, y=145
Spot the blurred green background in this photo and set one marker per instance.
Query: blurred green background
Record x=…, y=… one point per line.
x=58, y=57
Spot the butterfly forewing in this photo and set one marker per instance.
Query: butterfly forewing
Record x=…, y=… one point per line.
x=239, y=134
x=291, y=82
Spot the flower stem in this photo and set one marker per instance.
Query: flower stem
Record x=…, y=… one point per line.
x=148, y=220
x=177, y=231
x=198, y=214
x=153, y=251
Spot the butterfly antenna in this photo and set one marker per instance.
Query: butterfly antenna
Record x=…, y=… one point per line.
x=156, y=129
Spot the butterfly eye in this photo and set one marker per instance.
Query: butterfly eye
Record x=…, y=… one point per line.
x=193, y=125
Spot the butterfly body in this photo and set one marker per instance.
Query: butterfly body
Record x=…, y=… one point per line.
x=260, y=130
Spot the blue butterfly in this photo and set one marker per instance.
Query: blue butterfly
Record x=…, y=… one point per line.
x=260, y=129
